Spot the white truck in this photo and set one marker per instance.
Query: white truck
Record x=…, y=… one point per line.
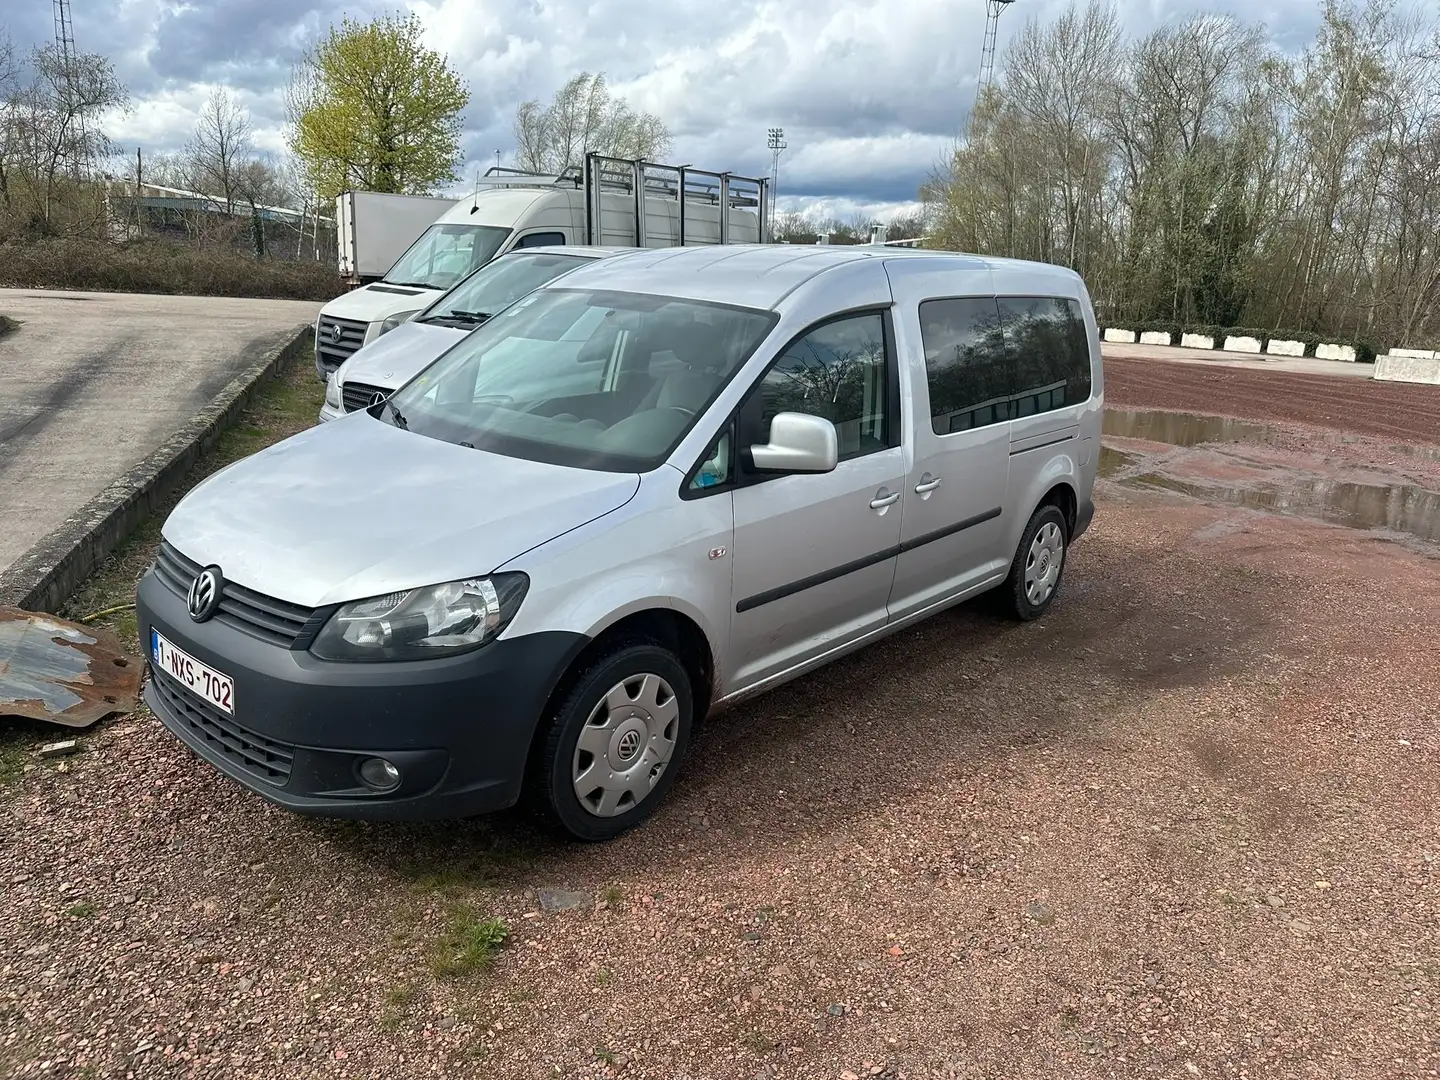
x=607, y=201
x=374, y=228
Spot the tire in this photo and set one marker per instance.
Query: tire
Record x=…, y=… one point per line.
x=636, y=702
x=1044, y=546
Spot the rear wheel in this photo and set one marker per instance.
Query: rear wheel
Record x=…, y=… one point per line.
x=1039, y=563
x=615, y=742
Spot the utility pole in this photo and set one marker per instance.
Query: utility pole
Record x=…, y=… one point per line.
x=65, y=42
x=775, y=140
x=993, y=10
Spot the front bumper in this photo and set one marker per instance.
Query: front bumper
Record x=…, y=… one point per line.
x=459, y=728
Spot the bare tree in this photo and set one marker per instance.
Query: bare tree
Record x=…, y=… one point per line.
x=220, y=152
x=582, y=118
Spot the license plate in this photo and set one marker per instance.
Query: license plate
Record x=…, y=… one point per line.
x=217, y=689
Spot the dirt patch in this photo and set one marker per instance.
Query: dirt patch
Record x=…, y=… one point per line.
x=1183, y=820
x=1394, y=411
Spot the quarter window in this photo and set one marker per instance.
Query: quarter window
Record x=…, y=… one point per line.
x=838, y=371
x=965, y=363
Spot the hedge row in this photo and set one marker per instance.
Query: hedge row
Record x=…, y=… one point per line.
x=1365, y=351
x=156, y=266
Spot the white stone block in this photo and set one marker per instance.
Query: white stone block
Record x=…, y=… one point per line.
x=1124, y=336
x=1335, y=352
x=1196, y=341
x=1413, y=369
x=1154, y=337
x=1242, y=344
x=1285, y=348
x=1416, y=354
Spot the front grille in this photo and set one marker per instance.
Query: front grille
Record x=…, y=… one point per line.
x=331, y=352
x=261, y=757
x=288, y=625
x=358, y=396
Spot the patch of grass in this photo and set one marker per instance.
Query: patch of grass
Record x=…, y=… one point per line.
x=279, y=408
x=401, y=995
x=757, y=1042
x=82, y=910
x=604, y=977
x=612, y=895
x=468, y=945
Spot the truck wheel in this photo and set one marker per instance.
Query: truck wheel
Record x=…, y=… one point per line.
x=615, y=742
x=1039, y=562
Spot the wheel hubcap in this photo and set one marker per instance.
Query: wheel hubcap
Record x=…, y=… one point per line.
x=625, y=745
x=1044, y=562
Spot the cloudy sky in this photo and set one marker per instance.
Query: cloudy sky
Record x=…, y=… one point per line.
x=869, y=92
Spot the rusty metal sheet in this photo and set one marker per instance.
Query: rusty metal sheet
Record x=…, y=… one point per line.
x=62, y=672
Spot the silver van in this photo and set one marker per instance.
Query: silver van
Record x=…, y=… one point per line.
x=647, y=490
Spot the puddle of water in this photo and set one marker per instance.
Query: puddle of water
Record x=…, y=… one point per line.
x=1397, y=507
x=1193, y=429
x=1112, y=460
x=1179, y=428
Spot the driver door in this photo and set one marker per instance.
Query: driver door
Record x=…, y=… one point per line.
x=814, y=554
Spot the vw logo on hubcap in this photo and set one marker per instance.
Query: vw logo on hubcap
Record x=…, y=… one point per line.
x=629, y=745
x=204, y=595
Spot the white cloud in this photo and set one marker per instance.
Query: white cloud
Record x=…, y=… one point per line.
x=870, y=92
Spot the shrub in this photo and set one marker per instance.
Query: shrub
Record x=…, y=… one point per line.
x=161, y=267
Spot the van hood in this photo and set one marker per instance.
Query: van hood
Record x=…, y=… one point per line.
x=356, y=508
x=391, y=361
x=374, y=303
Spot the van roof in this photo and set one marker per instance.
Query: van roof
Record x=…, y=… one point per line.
x=496, y=206
x=762, y=275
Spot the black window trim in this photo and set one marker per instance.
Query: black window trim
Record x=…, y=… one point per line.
x=997, y=297
x=551, y=230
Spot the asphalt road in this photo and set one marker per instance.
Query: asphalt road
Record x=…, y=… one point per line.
x=91, y=383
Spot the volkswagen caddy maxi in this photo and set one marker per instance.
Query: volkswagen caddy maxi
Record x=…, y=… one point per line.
x=645, y=491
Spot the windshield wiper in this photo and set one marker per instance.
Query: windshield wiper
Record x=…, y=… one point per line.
x=409, y=284
x=467, y=316
x=397, y=416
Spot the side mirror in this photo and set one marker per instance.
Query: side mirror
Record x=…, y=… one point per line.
x=799, y=443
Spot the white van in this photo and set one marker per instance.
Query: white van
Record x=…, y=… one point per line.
x=512, y=209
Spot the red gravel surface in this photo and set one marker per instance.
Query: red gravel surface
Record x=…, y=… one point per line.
x=1384, y=409
x=1185, y=826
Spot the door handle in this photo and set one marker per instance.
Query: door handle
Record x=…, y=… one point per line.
x=927, y=484
x=883, y=499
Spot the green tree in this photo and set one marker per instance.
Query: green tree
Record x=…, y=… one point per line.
x=584, y=117
x=372, y=108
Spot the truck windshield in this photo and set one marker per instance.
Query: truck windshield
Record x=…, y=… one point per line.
x=597, y=380
x=497, y=285
x=446, y=253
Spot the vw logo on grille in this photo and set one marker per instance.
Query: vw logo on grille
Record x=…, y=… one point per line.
x=376, y=398
x=336, y=334
x=204, y=595
x=629, y=744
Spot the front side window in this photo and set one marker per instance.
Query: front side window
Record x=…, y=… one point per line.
x=838, y=371
x=496, y=286
x=446, y=253
x=965, y=363
x=594, y=379
x=542, y=239
x=1048, y=352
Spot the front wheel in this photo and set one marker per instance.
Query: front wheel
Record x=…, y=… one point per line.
x=615, y=742
x=1039, y=562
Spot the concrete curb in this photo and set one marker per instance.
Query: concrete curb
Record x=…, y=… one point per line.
x=45, y=576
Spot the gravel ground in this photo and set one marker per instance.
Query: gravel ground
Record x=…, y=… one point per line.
x=1386, y=410
x=1184, y=826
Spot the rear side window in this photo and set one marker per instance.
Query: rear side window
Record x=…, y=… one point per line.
x=542, y=239
x=1047, y=352
x=965, y=363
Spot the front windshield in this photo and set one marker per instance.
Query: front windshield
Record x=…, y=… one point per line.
x=598, y=380
x=498, y=285
x=446, y=253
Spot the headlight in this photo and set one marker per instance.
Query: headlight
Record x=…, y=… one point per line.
x=434, y=621
x=395, y=320
x=332, y=391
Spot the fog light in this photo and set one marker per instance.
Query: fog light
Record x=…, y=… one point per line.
x=379, y=774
